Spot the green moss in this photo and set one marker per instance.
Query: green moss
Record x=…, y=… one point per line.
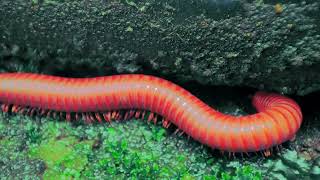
x=66, y=157
x=53, y=129
x=128, y=149
x=8, y=147
x=248, y=172
x=138, y=151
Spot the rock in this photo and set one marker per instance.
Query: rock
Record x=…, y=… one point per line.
x=233, y=43
x=308, y=143
x=306, y=155
x=317, y=147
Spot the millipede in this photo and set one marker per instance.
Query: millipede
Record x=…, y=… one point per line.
x=127, y=96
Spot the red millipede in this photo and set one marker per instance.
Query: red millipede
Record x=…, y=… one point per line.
x=132, y=95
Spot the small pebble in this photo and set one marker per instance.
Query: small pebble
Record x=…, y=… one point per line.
x=278, y=8
x=306, y=155
x=317, y=147
x=307, y=143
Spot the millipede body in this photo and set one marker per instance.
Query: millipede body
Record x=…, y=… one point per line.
x=102, y=98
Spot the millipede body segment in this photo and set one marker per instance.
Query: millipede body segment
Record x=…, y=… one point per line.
x=102, y=98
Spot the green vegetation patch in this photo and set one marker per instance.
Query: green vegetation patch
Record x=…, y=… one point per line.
x=136, y=150
x=64, y=157
x=47, y=149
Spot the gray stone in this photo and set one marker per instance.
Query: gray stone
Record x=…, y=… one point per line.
x=213, y=42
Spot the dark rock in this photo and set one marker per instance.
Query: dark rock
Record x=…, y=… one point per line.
x=317, y=147
x=216, y=42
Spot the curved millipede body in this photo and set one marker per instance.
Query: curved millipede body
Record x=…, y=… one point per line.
x=102, y=98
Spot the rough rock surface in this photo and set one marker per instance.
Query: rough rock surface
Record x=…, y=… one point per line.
x=216, y=42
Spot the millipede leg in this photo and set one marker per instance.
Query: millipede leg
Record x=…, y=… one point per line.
x=5, y=107
x=14, y=109
x=113, y=114
x=91, y=117
x=42, y=112
x=165, y=123
x=267, y=153
x=19, y=108
x=168, y=125
x=54, y=114
x=32, y=111
x=126, y=115
x=137, y=114
x=68, y=116
x=119, y=115
x=233, y=154
x=143, y=114
x=222, y=152
x=150, y=117
x=61, y=115
x=88, y=120
x=107, y=116
x=155, y=119
x=248, y=155
x=2, y=107
x=48, y=113
x=77, y=116
x=98, y=117
x=181, y=133
x=131, y=114
x=83, y=116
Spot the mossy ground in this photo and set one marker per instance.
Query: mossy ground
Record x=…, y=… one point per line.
x=127, y=149
x=44, y=148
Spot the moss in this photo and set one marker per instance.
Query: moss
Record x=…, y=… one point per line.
x=7, y=147
x=128, y=149
x=65, y=158
x=137, y=151
x=13, y=154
